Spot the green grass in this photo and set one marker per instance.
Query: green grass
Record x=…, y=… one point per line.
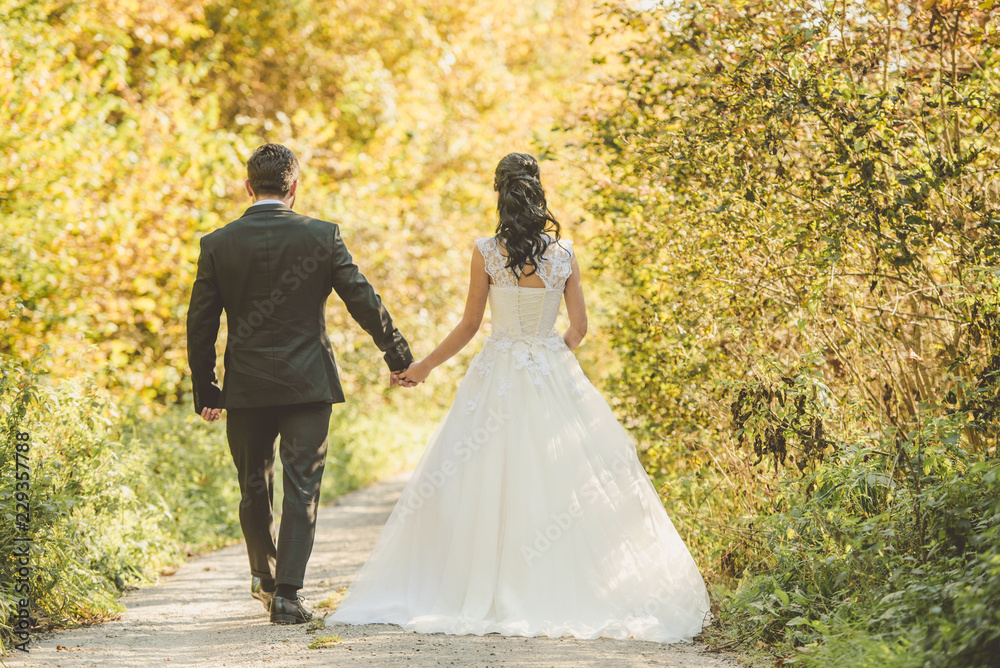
x=323, y=642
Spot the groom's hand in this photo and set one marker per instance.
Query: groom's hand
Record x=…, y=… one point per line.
x=211, y=414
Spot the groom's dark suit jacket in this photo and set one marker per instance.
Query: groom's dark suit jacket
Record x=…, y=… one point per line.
x=271, y=271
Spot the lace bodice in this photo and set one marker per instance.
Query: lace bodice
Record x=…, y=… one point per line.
x=524, y=313
x=554, y=271
x=524, y=318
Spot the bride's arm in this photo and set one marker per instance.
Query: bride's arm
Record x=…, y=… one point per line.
x=475, y=305
x=575, y=308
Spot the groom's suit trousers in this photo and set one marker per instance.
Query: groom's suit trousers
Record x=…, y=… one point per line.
x=300, y=433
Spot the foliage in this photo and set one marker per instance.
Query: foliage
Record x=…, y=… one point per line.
x=125, y=129
x=114, y=496
x=128, y=124
x=800, y=201
x=799, y=226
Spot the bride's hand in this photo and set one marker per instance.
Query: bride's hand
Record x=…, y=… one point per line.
x=416, y=372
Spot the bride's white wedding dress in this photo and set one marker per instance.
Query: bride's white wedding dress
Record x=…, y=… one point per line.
x=529, y=513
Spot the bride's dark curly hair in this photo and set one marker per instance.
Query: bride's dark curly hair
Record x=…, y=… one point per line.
x=524, y=215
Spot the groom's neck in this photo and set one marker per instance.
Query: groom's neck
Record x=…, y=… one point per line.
x=287, y=201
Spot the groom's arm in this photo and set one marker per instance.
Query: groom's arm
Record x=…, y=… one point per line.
x=203, y=317
x=365, y=306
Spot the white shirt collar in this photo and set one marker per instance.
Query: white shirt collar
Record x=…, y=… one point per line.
x=267, y=201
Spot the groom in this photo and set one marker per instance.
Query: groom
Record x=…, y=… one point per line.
x=271, y=271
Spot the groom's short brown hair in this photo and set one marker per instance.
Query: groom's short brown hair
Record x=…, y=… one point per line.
x=271, y=170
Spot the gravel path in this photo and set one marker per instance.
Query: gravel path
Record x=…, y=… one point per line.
x=203, y=616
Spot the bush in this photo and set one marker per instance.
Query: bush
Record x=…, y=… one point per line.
x=116, y=494
x=800, y=204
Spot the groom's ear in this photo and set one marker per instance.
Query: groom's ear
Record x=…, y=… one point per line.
x=291, y=191
x=249, y=189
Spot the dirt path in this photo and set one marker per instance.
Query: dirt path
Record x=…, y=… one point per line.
x=203, y=616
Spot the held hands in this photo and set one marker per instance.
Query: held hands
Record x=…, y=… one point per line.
x=415, y=374
x=211, y=414
x=396, y=381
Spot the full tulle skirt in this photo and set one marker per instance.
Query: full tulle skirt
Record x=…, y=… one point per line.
x=529, y=514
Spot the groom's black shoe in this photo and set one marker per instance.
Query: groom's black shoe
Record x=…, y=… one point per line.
x=289, y=611
x=258, y=593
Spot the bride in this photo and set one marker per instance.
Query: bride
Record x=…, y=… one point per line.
x=529, y=513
